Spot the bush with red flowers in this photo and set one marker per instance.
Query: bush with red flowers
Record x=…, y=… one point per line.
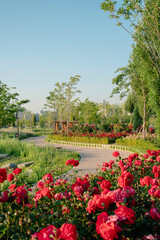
x=91, y=134
x=121, y=200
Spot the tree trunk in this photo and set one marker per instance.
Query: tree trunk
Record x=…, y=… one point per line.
x=68, y=120
x=144, y=116
x=18, y=125
x=130, y=118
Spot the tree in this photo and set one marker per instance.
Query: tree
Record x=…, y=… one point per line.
x=130, y=104
x=122, y=82
x=137, y=119
x=62, y=98
x=9, y=105
x=143, y=17
x=56, y=100
x=69, y=95
x=140, y=80
x=87, y=112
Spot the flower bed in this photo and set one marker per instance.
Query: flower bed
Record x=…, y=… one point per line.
x=91, y=134
x=119, y=201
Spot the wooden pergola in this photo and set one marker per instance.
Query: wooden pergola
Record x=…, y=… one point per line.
x=64, y=124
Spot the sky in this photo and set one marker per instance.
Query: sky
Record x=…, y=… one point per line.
x=47, y=41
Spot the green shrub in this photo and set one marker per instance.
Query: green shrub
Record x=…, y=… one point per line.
x=139, y=144
x=97, y=140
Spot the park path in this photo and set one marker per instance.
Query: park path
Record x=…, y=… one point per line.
x=90, y=157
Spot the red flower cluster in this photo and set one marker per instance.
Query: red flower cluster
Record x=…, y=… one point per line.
x=10, y=177
x=66, y=232
x=93, y=202
x=17, y=171
x=125, y=179
x=48, y=178
x=115, y=154
x=3, y=175
x=72, y=162
x=20, y=194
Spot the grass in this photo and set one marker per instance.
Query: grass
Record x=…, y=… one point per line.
x=137, y=144
x=46, y=159
x=96, y=140
x=24, y=133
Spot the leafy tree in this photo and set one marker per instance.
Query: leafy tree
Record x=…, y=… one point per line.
x=137, y=119
x=9, y=106
x=143, y=17
x=122, y=82
x=130, y=104
x=70, y=92
x=62, y=98
x=87, y=112
x=56, y=100
x=140, y=80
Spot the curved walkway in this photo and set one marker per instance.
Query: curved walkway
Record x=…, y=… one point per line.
x=90, y=157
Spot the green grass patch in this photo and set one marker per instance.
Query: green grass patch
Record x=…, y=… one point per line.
x=138, y=144
x=24, y=133
x=46, y=159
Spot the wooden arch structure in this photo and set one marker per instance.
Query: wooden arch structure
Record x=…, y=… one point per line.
x=57, y=124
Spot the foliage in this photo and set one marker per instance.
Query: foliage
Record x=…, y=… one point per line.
x=139, y=144
x=137, y=119
x=90, y=134
x=62, y=98
x=24, y=132
x=9, y=105
x=119, y=201
x=122, y=82
x=143, y=17
x=45, y=159
x=87, y=112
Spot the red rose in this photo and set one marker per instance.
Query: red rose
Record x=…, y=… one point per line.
x=17, y=171
x=155, y=213
x=138, y=163
x=40, y=184
x=58, y=196
x=4, y=197
x=125, y=179
x=3, y=175
x=48, y=178
x=115, y=154
x=105, y=184
x=72, y=162
x=125, y=214
x=10, y=177
x=78, y=190
x=158, y=159
x=147, y=180
x=68, y=232
x=109, y=230
x=12, y=187
x=102, y=218
x=49, y=233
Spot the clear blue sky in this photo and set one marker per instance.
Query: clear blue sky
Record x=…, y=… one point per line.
x=47, y=41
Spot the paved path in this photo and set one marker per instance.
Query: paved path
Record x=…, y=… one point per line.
x=90, y=157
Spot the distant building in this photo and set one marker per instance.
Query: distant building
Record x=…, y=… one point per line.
x=37, y=117
x=42, y=112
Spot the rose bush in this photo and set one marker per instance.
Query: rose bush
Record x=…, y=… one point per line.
x=119, y=201
x=91, y=134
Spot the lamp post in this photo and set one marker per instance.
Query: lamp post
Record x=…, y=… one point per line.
x=17, y=124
